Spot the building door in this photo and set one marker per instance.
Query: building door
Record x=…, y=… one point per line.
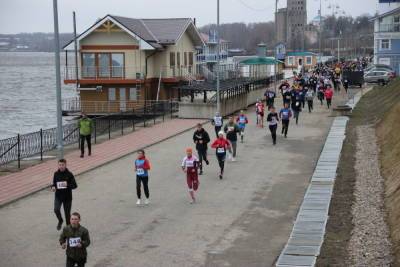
x=122, y=99
x=300, y=62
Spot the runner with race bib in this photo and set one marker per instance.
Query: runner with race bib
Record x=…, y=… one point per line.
x=142, y=167
x=221, y=145
x=241, y=121
x=190, y=166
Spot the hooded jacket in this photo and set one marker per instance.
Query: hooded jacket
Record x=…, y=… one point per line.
x=64, y=182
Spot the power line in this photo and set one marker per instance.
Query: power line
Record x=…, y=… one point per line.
x=252, y=8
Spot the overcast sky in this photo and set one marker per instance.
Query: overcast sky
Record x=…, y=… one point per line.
x=37, y=15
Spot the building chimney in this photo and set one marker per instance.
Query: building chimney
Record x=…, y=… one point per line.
x=262, y=50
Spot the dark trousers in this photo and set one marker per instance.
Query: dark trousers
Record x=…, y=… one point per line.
x=67, y=204
x=88, y=141
x=285, y=127
x=296, y=115
x=221, y=161
x=145, y=181
x=303, y=103
x=272, y=129
x=217, y=129
x=328, y=102
x=202, y=156
x=310, y=104
x=72, y=262
x=270, y=102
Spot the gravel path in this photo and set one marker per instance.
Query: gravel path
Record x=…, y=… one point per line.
x=369, y=244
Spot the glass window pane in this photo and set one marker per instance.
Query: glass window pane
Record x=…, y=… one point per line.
x=104, y=65
x=88, y=65
x=117, y=61
x=111, y=94
x=133, y=96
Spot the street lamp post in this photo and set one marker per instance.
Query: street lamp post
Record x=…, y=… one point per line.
x=60, y=146
x=218, y=61
x=276, y=43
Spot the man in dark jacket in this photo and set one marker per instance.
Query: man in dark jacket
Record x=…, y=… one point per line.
x=75, y=239
x=232, y=129
x=201, y=139
x=63, y=184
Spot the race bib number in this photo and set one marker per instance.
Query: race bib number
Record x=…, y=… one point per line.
x=220, y=150
x=285, y=114
x=217, y=121
x=74, y=241
x=242, y=120
x=189, y=163
x=231, y=129
x=62, y=185
x=140, y=171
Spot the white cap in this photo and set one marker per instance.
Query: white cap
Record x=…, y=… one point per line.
x=221, y=133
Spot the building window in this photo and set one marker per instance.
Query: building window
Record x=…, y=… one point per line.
x=185, y=62
x=111, y=94
x=290, y=61
x=178, y=59
x=102, y=65
x=172, y=59
x=385, y=44
x=133, y=94
x=309, y=61
x=88, y=65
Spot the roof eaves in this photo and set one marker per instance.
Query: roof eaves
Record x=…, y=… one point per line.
x=385, y=14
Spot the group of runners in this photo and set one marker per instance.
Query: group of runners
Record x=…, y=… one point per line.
x=75, y=238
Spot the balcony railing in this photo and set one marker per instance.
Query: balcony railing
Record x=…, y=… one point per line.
x=97, y=73
x=389, y=28
x=76, y=105
x=211, y=57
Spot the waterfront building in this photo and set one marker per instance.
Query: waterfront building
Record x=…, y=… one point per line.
x=297, y=60
x=387, y=35
x=124, y=62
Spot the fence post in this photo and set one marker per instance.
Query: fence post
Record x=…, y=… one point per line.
x=41, y=144
x=109, y=129
x=163, y=111
x=144, y=115
x=170, y=107
x=95, y=131
x=154, y=113
x=19, y=151
x=122, y=127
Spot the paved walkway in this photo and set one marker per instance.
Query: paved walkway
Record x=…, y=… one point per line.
x=243, y=220
x=35, y=178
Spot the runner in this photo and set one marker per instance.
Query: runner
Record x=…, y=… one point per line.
x=346, y=84
x=63, y=184
x=242, y=120
x=260, y=113
x=232, y=129
x=285, y=114
x=321, y=93
x=75, y=239
x=296, y=106
x=190, y=166
x=142, y=167
x=201, y=139
x=269, y=98
x=221, y=145
x=217, y=121
x=310, y=99
x=328, y=96
x=273, y=120
x=287, y=96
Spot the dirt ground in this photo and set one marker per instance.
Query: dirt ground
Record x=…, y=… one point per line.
x=372, y=109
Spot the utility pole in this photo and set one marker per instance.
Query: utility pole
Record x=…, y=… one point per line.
x=218, y=61
x=76, y=52
x=276, y=43
x=320, y=31
x=60, y=146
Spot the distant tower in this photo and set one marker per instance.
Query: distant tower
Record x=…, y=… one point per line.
x=296, y=23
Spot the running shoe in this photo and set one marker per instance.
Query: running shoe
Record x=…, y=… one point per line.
x=138, y=202
x=233, y=159
x=220, y=176
x=59, y=226
x=146, y=201
x=201, y=173
x=193, y=201
x=207, y=162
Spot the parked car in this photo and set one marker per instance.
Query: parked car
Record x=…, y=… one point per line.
x=378, y=67
x=375, y=69
x=380, y=77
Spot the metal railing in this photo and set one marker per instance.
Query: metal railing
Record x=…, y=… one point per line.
x=105, y=72
x=37, y=143
x=389, y=28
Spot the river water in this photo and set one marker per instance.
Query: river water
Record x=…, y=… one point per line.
x=27, y=92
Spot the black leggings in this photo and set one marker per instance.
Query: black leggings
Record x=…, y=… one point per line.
x=221, y=161
x=88, y=141
x=145, y=181
x=328, y=102
x=285, y=127
x=71, y=262
x=217, y=129
x=202, y=156
x=67, y=204
x=310, y=104
x=273, y=128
